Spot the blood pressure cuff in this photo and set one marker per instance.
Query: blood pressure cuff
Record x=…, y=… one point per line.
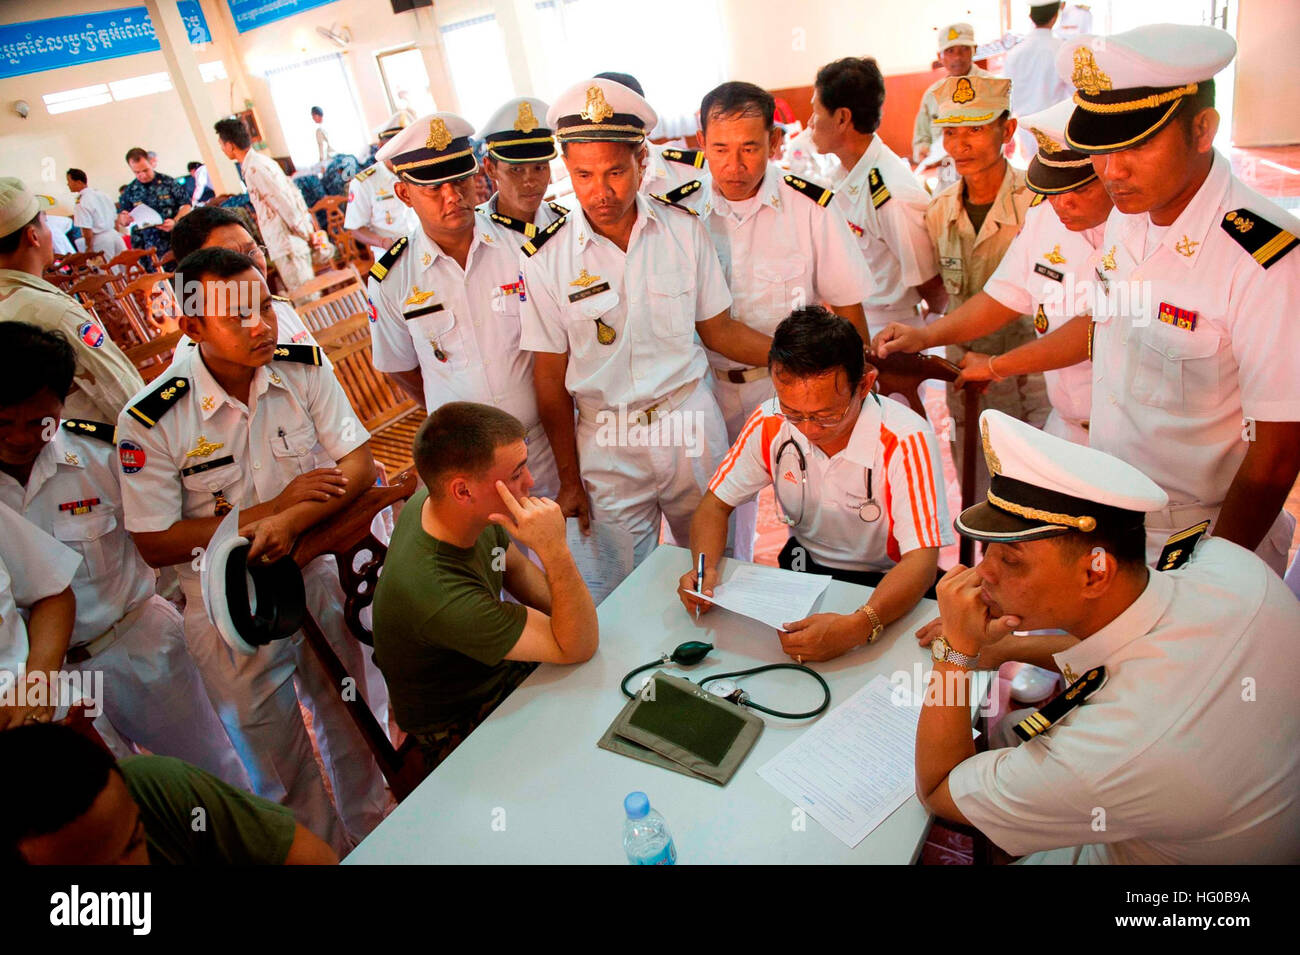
x=675, y=724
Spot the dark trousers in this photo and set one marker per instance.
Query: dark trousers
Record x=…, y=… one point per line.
x=867, y=578
x=437, y=744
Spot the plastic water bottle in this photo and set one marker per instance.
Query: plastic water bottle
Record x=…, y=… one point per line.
x=646, y=838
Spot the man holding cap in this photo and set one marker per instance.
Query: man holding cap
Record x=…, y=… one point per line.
x=1045, y=273
x=616, y=293
x=447, y=298
x=972, y=224
x=520, y=148
x=104, y=379
x=957, y=54
x=374, y=214
x=1141, y=759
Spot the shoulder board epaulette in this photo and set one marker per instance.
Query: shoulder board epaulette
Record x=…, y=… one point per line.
x=526, y=228
x=879, y=193
x=300, y=354
x=1037, y=200
x=1078, y=691
x=532, y=245
x=687, y=157
x=91, y=429
x=150, y=409
x=1178, y=549
x=668, y=202
x=558, y=209
x=368, y=171
x=1265, y=242
x=682, y=191
x=818, y=194
x=281, y=298
x=380, y=269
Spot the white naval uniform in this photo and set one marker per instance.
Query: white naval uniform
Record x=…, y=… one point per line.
x=373, y=205
x=664, y=175
x=1172, y=401
x=426, y=304
x=885, y=208
x=778, y=250
x=282, y=217
x=516, y=231
x=98, y=213
x=153, y=695
x=1046, y=273
x=892, y=442
x=1035, y=84
x=249, y=459
x=1191, y=748
x=33, y=566
x=651, y=296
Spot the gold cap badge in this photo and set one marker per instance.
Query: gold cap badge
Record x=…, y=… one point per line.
x=964, y=92
x=952, y=34
x=1087, y=76
x=439, y=137
x=1046, y=143
x=597, y=109
x=990, y=456
x=525, y=121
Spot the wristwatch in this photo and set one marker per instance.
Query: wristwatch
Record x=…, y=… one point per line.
x=877, y=628
x=940, y=650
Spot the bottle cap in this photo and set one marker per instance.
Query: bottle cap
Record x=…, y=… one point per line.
x=636, y=805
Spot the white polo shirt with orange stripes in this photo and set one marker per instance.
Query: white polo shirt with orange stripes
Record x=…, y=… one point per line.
x=892, y=448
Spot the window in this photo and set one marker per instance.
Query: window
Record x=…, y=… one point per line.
x=477, y=62
x=129, y=88
x=321, y=81
x=578, y=31
x=406, y=81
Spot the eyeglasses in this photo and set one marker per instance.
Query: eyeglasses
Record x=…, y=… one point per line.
x=821, y=420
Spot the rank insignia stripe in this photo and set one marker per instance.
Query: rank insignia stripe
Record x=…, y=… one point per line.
x=149, y=409
x=1178, y=549
x=1267, y=243
x=668, y=202
x=1037, y=200
x=531, y=247
x=879, y=192
x=379, y=271
x=1075, y=694
x=588, y=292
x=207, y=465
x=818, y=194
x=91, y=429
x=687, y=157
x=426, y=310
x=298, y=354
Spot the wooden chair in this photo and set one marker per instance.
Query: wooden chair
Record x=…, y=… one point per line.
x=135, y=262
x=81, y=263
x=326, y=283
x=150, y=299
x=347, y=250
x=152, y=357
x=904, y=374
x=349, y=539
x=98, y=295
x=346, y=300
x=388, y=413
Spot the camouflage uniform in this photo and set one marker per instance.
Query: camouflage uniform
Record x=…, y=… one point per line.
x=165, y=196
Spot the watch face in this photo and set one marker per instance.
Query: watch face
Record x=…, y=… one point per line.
x=938, y=648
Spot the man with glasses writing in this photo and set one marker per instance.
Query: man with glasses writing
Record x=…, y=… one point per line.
x=857, y=480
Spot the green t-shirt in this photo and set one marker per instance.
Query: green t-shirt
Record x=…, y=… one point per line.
x=441, y=628
x=234, y=827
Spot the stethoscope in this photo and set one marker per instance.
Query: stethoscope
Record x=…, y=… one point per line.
x=722, y=685
x=869, y=510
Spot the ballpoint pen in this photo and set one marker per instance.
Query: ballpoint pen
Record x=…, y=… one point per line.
x=699, y=582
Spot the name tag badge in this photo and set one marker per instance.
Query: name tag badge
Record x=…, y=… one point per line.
x=1043, y=270
x=588, y=292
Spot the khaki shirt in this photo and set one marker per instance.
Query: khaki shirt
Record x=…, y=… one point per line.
x=105, y=378
x=924, y=132
x=967, y=261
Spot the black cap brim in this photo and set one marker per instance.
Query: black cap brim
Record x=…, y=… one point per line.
x=1055, y=180
x=1097, y=132
x=984, y=522
x=524, y=152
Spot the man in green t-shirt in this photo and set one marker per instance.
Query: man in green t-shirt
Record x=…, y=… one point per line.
x=145, y=810
x=449, y=646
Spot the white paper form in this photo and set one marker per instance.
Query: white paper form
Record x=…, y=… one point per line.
x=769, y=594
x=855, y=766
x=143, y=216
x=603, y=559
